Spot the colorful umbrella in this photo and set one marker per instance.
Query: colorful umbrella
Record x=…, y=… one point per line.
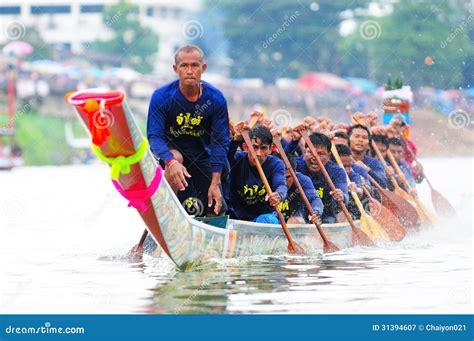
x=17, y=48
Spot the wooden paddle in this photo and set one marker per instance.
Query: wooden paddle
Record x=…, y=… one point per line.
x=358, y=236
x=401, y=208
x=327, y=245
x=293, y=247
x=441, y=205
x=367, y=223
x=385, y=218
x=397, y=189
x=426, y=216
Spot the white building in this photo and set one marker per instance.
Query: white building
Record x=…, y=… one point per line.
x=75, y=24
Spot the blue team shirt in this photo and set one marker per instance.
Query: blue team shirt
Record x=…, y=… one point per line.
x=362, y=174
x=293, y=205
x=248, y=191
x=377, y=169
x=199, y=130
x=407, y=172
x=338, y=177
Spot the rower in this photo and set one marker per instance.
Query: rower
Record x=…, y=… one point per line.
x=395, y=146
x=250, y=200
x=355, y=184
x=399, y=125
x=293, y=207
x=308, y=165
x=188, y=130
x=359, y=141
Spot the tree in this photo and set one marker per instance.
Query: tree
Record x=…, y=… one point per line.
x=272, y=39
x=132, y=44
x=427, y=42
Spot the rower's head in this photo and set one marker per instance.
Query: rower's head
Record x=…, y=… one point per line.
x=359, y=138
x=262, y=140
x=399, y=124
x=341, y=137
x=322, y=144
x=381, y=142
x=189, y=65
x=346, y=156
x=395, y=146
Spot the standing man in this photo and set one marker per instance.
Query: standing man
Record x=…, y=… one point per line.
x=188, y=129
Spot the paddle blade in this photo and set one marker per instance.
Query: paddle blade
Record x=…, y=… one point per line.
x=360, y=238
x=441, y=204
x=329, y=247
x=295, y=249
x=392, y=226
x=406, y=213
x=371, y=228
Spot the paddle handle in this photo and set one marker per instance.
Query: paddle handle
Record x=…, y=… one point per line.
x=353, y=194
x=384, y=164
x=247, y=140
x=277, y=143
x=397, y=168
x=304, y=133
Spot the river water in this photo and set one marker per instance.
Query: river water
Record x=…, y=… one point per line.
x=64, y=231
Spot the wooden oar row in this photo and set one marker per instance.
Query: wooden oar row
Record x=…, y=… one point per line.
x=382, y=224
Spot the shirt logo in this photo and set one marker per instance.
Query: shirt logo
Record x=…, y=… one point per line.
x=320, y=192
x=188, y=125
x=254, y=193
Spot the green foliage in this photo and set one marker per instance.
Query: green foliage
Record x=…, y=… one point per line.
x=132, y=44
x=425, y=41
x=42, y=140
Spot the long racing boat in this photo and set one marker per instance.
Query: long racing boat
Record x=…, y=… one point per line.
x=117, y=140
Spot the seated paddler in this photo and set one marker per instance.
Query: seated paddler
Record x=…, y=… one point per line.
x=249, y=198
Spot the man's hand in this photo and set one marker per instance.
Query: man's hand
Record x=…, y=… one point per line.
x=337, y=194
x=214, y=196
x=372, y=118
x=358, y=118
x=352, y=187
x=178, y=174
x=238, y=128
x=295, y=136
x=273, y=199
x=314, y=219
x=390, y=171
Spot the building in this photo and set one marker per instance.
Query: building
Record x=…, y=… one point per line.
x=73, y=25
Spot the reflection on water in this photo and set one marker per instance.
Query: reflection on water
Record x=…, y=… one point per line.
x=64, y=231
